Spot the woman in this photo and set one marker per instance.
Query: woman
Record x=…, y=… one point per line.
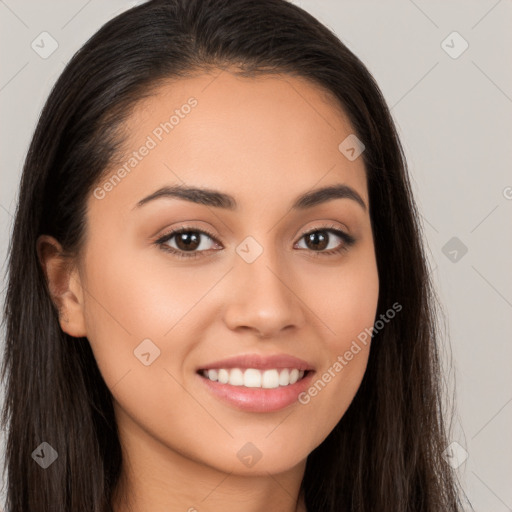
x=218, y=298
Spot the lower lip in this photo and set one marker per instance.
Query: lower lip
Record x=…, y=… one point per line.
x=259, y=399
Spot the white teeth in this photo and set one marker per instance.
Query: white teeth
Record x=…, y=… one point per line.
x=223, y=376
x=284, y=377
x=270, y=379
x=253, y=378
x=236, y=377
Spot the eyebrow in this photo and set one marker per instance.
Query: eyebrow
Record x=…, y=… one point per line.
x=209, y=197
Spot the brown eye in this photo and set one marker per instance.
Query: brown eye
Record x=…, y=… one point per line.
x=189, y=242
x=319, y=240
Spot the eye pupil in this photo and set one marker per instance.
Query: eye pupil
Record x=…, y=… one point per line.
x=317, y=238
x=189, y=239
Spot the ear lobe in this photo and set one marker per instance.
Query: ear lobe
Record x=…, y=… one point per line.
x=64, y=285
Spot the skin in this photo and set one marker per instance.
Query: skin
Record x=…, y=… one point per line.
x=265, y=141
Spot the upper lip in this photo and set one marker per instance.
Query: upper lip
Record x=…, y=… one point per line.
x=258, y=361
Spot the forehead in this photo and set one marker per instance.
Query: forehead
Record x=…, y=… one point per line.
x=259, y=138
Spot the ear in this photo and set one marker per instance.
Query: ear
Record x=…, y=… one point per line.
x=64, y=285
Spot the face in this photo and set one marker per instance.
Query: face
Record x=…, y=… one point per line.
x=259, y=273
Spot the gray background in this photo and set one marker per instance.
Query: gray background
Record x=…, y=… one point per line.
x=454, y=118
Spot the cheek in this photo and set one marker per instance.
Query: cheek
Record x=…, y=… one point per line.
x=346, y=304
x=129, y=301
x=345, y=300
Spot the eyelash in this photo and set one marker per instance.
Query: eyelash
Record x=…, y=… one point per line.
x=348, y=241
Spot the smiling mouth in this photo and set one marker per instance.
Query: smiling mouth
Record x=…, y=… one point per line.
x=254, y=378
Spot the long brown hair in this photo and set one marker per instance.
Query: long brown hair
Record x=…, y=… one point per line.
x=385, y=454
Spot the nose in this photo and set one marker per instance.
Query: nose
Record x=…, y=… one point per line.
x=262, y=299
